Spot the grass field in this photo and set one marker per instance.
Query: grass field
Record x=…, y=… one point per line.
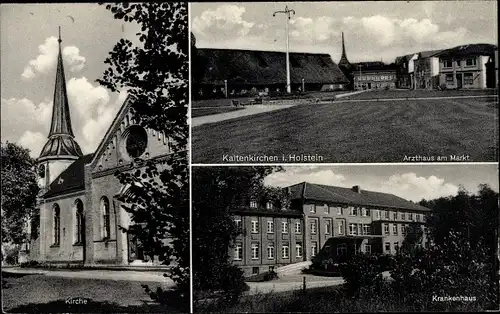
x=382, y=131
x=44, y=294
x=198, y=112
x=398, y=93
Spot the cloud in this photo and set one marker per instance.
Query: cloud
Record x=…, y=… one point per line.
x=23, y=113
x=226, y=19
x=412, y=187
x=313, y=30
x=47, y=59
x=34, y=141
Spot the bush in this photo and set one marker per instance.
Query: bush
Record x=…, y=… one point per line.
x=363, y=275
x=12, y=255
x=443, y=87
x=30, y=264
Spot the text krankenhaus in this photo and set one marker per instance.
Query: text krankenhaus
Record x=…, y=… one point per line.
x=273, y=158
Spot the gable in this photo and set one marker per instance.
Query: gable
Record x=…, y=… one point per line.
x=126, y=140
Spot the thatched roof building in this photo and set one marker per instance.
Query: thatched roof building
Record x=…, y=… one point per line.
x=265, y=68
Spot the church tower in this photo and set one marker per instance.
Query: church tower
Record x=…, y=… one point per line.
x=61, y=149
x=346, y=67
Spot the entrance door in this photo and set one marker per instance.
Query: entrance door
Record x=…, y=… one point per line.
x=459, y=80
x=369, y=85
x=135, y=252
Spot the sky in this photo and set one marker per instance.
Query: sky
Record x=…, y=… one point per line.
x=373, y=30
x=28, y=61
x=411, y=182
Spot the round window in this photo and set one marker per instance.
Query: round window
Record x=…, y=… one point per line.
x=136, y=141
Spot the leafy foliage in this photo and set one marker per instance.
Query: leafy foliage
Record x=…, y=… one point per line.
x=155, y=75
x=19, y=192
x=215, y=191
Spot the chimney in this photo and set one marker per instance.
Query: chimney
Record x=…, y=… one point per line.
x=356, y=189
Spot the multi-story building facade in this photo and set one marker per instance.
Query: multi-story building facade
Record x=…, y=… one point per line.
x=405, y=77
x=322, y=218
x=374, y=75
x=466, y=66
x=426, y=70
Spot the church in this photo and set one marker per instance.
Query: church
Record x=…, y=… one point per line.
x=79, y=215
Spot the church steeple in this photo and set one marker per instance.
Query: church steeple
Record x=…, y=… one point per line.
x=343, y=59
x=61, y=143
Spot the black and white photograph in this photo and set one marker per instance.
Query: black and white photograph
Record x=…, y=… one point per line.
x=95, y=175
x=330, y=82
x=350, y=238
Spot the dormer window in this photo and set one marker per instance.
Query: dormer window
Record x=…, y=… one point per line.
x=447, y=64
x=470, y=62
x=269, y=205
x=253, y=204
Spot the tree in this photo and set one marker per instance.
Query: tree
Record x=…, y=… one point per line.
x=215, y=192
x=19, y=192
x=156, y=75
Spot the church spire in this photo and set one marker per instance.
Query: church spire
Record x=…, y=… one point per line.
x=61, y=141
x=343, y=59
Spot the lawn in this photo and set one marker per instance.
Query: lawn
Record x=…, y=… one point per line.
x=39, y=293
x=379, y=131
x=389, y=94
x=198, y=112
x=322, y=300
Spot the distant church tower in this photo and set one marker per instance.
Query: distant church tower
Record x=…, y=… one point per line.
x=343, y=59
x=346, y=67
x=61, y=149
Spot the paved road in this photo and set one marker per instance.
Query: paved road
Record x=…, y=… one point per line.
x=126, y=275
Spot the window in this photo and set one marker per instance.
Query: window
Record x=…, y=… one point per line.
x=255, y=270
x=255, y=250
x=418, y=217
x=386, y=229
x=364, y=212
x=105, y=217
x=339, y=211
x=284, y=227
x=79, y=222
x=298, y=227
x=395, y=229
x=238, y=252
x=314, y=248
x=353, y=211
x=57, y=225
x=395, y=216
x=270, y=251
x=403, y=230
x=403, y=216
x=253, y=204
x=341, y=225
x=449, y=78
x=387, y=247
x=269, y=205
x=270, y=227
x=313, y=208
x=255, y=226
x=377, y=214
x=313, y=226
x=366, y=229
x=411, y=216
x=468, y=80
x=352, y=229
x=387, y=214
x=237, y=224
x=326, y=208
x=470, y=62
x=368, y=249
x=341, y=249
x=285, y=251
x=447, y=64
x=396, y=246
x=298, y=249
x=328, y=226
x=136, y=141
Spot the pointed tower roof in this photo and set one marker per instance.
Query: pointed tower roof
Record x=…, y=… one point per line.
x=343, y=59
x=61, y=143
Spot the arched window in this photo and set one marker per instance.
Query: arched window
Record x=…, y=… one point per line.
x=79, y=222
x=105, y=216
x=57, y=225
